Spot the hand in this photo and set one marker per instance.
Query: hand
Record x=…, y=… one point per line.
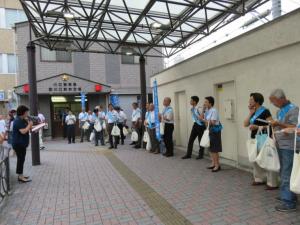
x=274, y=123
x=30, y=124
x=253, y=127
x=201, y=117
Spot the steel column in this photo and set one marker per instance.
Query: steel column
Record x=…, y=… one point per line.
x=33, y=101
x=143, y=86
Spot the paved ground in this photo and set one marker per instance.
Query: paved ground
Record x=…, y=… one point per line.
x=80, y=184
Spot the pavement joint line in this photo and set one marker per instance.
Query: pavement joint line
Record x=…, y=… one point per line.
x=161, y=207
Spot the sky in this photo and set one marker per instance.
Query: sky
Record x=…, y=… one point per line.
x=230, y=31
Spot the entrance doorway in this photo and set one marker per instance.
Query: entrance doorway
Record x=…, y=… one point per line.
x=181, y=119
x=58, y=105
x=226, y=104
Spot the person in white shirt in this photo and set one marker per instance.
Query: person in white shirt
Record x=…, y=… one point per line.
x=82, y=117
x=91, y=127
x=150, y=124
x=71, y=121
x=136, y=119
x=112, y=118
x=99, y=136
x=121, y=122
x=2, y=125
x=167, y=118
x=42, y=119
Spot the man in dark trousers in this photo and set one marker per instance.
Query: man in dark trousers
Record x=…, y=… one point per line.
x=63, y=122
x=167, y=119
x=197, y=130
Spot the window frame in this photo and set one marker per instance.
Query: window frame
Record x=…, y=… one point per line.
x=55, y=61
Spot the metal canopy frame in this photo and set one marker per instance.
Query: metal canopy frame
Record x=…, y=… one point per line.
x=105, y=26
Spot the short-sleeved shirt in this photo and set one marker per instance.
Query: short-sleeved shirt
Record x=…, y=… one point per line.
x=169, y=114
x=286, y=141
x=2, y=126
x=19, y=139
x=264, y=115
x=136, y=115
x=212, y=114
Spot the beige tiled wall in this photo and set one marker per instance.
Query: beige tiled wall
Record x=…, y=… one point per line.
x=7, y=44
x=7, y=81
x=12, y=4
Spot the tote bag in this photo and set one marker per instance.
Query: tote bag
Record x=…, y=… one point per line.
x=86, y=126
x=92, y=136
x=252, y=149
x=115, y=131
x=205, y=140
x=162, y=128
x=148, y=146
x=97, y=126
x=125, y=131
x=268, y=156
x=134, y=136
x=146, y=137
x=295, y=176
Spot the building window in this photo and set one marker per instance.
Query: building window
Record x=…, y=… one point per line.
x=8, y=63
x=129, y=59
x=11, y=17
x=55, y=56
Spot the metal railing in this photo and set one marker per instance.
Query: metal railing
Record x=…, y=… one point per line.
x=4, y=172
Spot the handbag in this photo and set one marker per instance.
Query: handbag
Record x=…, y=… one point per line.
x=125, y=131
x=134, y=136
x=115, y=131
x=86, y=126
x=205, y=140
x=104, y=125
x=97, y=126
x=268, y=156
x=92, y=136
x=260, y=139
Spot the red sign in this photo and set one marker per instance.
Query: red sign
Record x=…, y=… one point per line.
x=26, y=88
x=98, y=87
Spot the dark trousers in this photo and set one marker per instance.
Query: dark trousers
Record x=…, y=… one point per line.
x=197, y=131
x=153, y=140
x=21, y=154
x=99, y=137
x=121, y=125
x=168, y=138
x=140, y=132
x=65, y=130
x=71, y=133
x=113, y=140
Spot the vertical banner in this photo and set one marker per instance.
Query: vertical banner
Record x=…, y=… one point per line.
x=82, y=95
x=114, y=100
x=156, y=110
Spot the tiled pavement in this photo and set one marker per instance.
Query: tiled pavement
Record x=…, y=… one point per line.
x=79, y=184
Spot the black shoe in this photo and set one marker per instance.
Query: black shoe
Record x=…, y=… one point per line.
x=210, y=167
x=96, y=145
x=116, y=147
x=137, y=146
x=110, y=147
x=216, y=170
x=285, y=208
x=199, y=157
x=186, y=157
x=132, y=143
x=169, y=155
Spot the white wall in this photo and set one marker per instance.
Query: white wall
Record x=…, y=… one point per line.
x=258, y=61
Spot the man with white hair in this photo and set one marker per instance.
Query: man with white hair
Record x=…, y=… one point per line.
x=287, y=117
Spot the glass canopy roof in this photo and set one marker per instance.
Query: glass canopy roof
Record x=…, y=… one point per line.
x=158, y=28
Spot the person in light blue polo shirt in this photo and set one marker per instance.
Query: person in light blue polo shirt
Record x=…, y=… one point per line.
x=197, y=130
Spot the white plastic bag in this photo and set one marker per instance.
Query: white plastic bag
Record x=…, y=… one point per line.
x=115, y=131
x=162, y=128
x=205, y=140
x=125, y=131
x=146, y=137
x=252, y=149
x=148, y=146
x=92, y=136
x=86, y=126
x=97, y=126
x=268, y=156
x=134, y=136
x=104, y=125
